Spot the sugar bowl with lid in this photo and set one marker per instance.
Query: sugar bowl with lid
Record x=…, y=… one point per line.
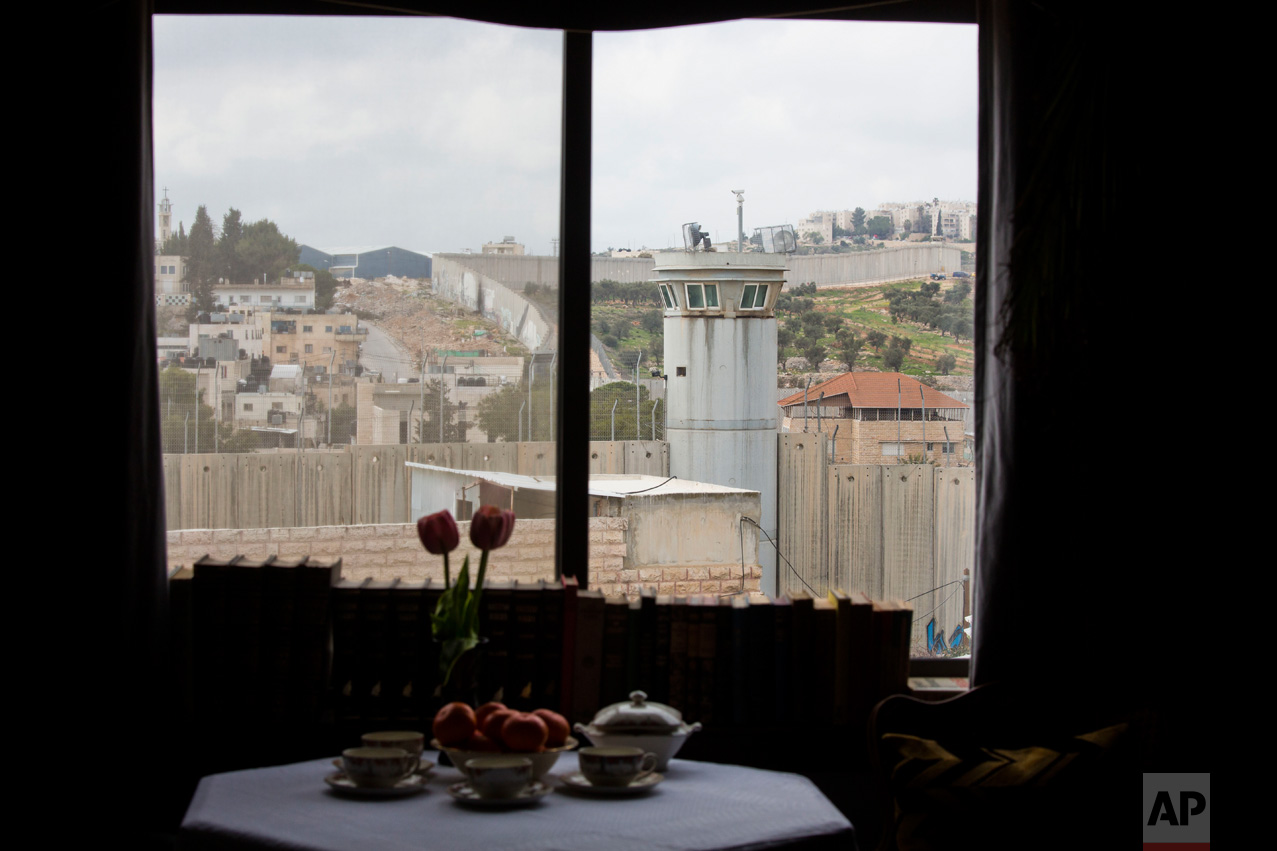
x=640, y=723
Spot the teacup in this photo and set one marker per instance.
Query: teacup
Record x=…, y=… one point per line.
x=381, y=767
x=499, y=776
x=410, y=740
x=616, y=766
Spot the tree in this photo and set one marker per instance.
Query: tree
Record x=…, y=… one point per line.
x=879, y=227
x=622, y=395
x=176, y=242
x=325, y=285
x=265, y=251
x=946, y=363
x=858, y=221
x=186, y=423
x=848, y=346
x=498, y=413
x=653, y=321
x=201, y=261
x=785, y=338
x=876, y=339
x=893, y=358
x=960, y=290
x=344, y=421
x=428, y=429
x=814, y=352
x=232, y=233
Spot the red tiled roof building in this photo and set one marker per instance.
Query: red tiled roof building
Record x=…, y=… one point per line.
x=880, y=418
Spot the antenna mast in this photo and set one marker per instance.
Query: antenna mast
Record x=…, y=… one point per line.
x=740, y=218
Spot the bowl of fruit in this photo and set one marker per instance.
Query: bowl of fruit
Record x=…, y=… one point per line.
x=464, y=733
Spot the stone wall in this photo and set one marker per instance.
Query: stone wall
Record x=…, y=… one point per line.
x=386, y=551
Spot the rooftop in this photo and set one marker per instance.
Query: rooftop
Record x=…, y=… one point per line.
x=873, y=390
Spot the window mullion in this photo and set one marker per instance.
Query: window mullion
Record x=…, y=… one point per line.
x=571, y=546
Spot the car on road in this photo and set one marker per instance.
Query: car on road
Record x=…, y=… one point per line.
x=961, y=274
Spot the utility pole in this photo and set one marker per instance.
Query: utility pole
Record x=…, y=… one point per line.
x=553, y=359
x=332, y=360
x=637, y=395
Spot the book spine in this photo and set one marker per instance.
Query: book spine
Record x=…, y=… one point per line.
x=310, y=662
x=823, y=652
x=739, y=698
x=782, y=612
x=588, y=673
x=550, y=657
x=495, y=624
x=615, y=650
x=375, y=698
x=678, y=653
x=525, y=610
x=405, y=628
x=646, y=645
x=801, y=654
x=661, y=651
x=347, y=656
x=567, y=650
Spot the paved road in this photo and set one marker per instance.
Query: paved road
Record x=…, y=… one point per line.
x=382, y=353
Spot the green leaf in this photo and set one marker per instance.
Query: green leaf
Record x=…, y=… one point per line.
x=452, y=650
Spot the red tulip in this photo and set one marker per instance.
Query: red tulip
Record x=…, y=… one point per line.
x=490, y=527
x=438, y=533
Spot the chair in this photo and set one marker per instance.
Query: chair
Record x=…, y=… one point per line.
x=1003, y=767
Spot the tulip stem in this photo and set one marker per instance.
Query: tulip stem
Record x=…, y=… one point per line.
x=447, y=577
x=478, y=588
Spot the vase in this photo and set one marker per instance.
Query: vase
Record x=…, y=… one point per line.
x=463, y=684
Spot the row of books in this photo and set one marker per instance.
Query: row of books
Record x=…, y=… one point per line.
x=260, y=637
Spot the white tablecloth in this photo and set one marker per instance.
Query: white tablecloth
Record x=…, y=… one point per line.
x=698, y=806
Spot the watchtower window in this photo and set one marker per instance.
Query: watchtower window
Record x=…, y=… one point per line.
x=711, y=295
x=753, y=297
x=695, y=297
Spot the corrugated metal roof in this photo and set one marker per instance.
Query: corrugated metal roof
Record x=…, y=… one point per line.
x=873, y=390
x=600, y=485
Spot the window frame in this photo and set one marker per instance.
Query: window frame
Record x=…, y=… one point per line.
x=571, y=392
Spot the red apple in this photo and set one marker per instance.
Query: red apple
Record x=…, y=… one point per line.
x=524, y=733
x=557, y=725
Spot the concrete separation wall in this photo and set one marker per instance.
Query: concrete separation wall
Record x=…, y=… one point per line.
x=460, y=282
x=387, y=551
x=354, y=484
x=501, y=278
x=866, y=267
x=897, y=531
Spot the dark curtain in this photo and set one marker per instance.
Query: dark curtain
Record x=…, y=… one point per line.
x=1083, y=549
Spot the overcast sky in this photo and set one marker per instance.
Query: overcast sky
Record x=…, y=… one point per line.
x=439, y=135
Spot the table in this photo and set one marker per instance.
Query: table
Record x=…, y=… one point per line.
x=699, y=806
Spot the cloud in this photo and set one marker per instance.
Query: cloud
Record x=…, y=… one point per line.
x=440, y=134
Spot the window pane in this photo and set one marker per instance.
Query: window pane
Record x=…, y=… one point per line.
x=401, y=177
x=695, y=298
x=867, y=229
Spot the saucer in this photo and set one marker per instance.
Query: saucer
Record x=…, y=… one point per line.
x=530, y=794
x=423, y=766
x=410, y=785
x=576, y=782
